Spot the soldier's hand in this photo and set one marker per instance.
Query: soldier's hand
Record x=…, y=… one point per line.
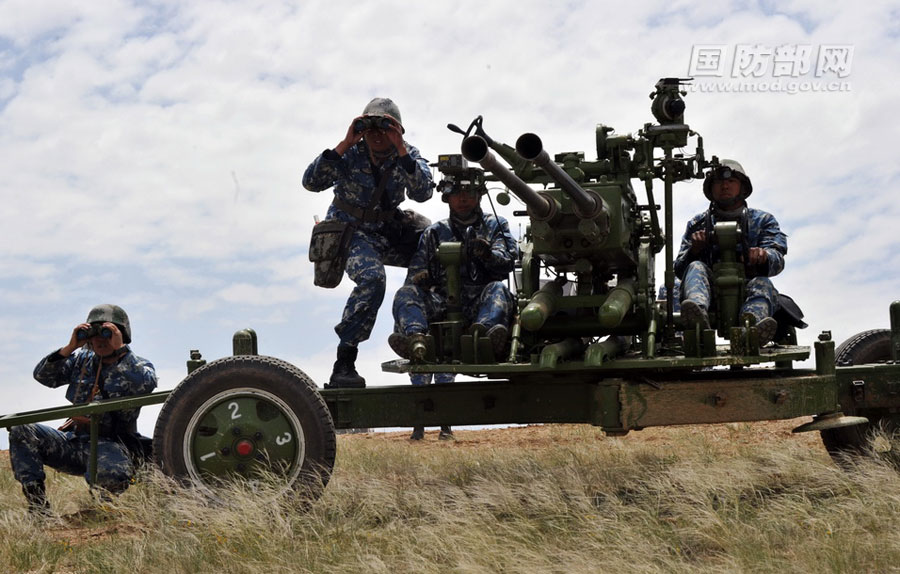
x=698, y=241
x=116, y=341
x=394, y=135
x=350, y=139
x=74, y=343
x=420, y=278
x=758, y=256
x=481, y=248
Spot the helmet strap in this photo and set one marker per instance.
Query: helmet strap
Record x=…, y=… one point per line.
x=466, y=219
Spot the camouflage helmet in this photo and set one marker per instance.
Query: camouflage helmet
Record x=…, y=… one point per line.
x=111, y=314
x=384, y=107
x=728, y=168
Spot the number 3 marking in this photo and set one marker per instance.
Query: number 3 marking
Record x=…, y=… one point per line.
x=283, y=439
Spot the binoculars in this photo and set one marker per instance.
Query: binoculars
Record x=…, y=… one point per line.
x=94, y=330
x=371, y=123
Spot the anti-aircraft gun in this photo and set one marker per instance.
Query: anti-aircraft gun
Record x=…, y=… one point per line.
x=590, y=342
x=589, y=231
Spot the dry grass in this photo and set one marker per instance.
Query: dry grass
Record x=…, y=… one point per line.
x=728, y=498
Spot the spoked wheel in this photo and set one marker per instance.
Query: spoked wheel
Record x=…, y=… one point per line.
x=866, y=347
x=245, y=417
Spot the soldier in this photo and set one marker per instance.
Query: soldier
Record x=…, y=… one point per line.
x=96, y=363
x=727, y=187
x=418, y=379
x=485, y=299
x=370, y=169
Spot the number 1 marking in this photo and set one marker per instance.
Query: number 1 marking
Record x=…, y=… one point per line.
x=208, y=456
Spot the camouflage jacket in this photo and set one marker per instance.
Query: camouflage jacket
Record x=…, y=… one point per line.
x=129, y=376
x=355, y=180
x=762, y=231
x=475, y=272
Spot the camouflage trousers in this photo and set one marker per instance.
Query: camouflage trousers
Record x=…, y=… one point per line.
x=33, y=446
x=760, y=295
x=415, y=308
x=367, y=255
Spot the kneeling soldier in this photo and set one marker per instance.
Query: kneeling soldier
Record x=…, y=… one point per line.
x=96, y=364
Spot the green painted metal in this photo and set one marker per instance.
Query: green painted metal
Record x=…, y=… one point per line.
x=88, y=409
x=616, y=404
x=241, y=432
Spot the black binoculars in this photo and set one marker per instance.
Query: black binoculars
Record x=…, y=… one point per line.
x=87, y=332
x=371, y=123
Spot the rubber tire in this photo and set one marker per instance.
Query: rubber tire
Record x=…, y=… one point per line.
x=863, y=348
x=268, y=375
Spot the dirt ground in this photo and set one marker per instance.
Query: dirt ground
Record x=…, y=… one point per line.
x=539, y=436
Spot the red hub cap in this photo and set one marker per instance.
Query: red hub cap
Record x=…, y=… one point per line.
x=244, y=448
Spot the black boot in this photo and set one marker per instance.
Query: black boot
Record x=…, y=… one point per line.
x=446, y=433
x=36, y=495
x=344, y=375
x=418, y=433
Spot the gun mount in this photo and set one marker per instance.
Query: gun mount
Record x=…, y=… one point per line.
x=590, y=342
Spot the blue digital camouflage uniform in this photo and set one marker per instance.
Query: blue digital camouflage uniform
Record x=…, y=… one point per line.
x=484, y=297
x=355, y=181
x=662, y=296
x=33, y=446
x=695, y=270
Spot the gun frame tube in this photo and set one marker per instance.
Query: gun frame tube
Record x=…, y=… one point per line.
x=588, y=204
x=541, y=207
x=541, y=306
x=616, y=306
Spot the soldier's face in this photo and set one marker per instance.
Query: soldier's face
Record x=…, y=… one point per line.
x=101, y=345
x=106, y=346
x=377, y=141
x=726, y=191
x=463, y=202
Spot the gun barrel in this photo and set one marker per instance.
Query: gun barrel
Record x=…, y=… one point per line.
x=475, y=148
x=531, y=148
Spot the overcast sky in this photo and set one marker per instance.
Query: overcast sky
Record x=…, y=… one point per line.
x=151, y=152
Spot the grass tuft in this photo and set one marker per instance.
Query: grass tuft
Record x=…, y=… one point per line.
x=570, y=500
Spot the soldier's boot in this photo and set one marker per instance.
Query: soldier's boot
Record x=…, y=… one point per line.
x=36, y=495
x=693, y=314
x=766, y=329
x=418, y=433
x=413, y=347
x=446, y=433
x=344, y=375
x=399, y=343
x=498, y=334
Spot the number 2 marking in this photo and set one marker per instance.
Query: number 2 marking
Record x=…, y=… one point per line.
x=233, y=407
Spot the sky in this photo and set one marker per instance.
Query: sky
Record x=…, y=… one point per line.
x=151, y=152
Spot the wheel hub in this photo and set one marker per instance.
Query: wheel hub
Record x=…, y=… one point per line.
x=244, y=447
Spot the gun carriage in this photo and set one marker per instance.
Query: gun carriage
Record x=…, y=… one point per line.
x=590, y=343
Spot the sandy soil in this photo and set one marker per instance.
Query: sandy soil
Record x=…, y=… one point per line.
x=539, y=436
